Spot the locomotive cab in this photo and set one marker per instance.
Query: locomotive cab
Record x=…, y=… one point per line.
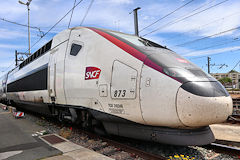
x=171, y=86
x=178, y=101
x=195, y=94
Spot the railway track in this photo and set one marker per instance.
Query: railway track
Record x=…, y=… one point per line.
x=106, y=142
x=227, y=147
x=121, y=146
x=125, y=148
x=234, y=119
x=119, y=143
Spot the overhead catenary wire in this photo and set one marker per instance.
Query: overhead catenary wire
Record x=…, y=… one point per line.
x=203, y=26
x=213, y=46
x=235, y=66
x=179, y=20
x=88, y=9
x=6, y=70
x=166, y=15
x=55, y=24
x=209, y=36
x=71, y=14
x=19, y=24
x=214, y=54
x=46, y=32
x=23, y=25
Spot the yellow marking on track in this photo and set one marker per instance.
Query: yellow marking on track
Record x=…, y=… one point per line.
x=180, y=157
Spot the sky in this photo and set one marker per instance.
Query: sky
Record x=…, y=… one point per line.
x=196, y=30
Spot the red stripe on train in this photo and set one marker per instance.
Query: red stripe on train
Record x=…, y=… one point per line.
x=132, y=51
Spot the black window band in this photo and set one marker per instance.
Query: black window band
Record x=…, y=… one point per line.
x=33, y=82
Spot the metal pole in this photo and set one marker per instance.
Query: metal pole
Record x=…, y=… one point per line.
x=209, y=59
x=16, y=57
x=28, y=8
x=238, y=78
x=29, y=30
x=136, y=20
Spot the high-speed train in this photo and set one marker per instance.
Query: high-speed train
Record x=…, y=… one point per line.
x=119, y=84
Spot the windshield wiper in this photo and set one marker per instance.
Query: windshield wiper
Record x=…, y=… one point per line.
x=146, y=43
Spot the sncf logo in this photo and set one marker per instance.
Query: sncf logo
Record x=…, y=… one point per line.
x=92, y=73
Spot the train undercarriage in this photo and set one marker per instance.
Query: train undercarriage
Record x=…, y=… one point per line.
x=106, y=124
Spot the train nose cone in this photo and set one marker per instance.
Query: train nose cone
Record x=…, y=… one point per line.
x=203, y=103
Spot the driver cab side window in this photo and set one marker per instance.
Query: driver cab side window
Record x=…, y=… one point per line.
x=75, y=49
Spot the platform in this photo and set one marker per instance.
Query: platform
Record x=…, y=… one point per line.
x=226, y=131
x=17, y=142
x=70, y=150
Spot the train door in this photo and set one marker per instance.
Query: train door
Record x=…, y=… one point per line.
x=75, y=70
x=52, y=77
x=124, y=81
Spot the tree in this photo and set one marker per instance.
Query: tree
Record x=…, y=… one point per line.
x=233, y=71
x=225, y=80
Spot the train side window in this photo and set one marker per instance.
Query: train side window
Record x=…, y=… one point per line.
x=31, y=58
x=48, y=45
x=42, y=50
x=38, y=53
x=75, y=49
x=35, y=55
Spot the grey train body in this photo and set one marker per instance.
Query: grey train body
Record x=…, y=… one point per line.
x=119, y=84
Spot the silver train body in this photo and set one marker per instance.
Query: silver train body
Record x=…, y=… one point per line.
x=130, y=86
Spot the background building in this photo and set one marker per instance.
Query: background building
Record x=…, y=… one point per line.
x=234, y=75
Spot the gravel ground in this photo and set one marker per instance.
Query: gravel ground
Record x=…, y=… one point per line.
x=178, y=152
x=76, y=136
x=171, y=152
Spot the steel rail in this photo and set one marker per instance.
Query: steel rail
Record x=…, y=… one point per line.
x=125, y=147
x=227, y=147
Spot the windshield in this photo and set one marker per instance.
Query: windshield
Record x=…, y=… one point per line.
x=178, y=72
x=176, y=66
x=173, y=64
